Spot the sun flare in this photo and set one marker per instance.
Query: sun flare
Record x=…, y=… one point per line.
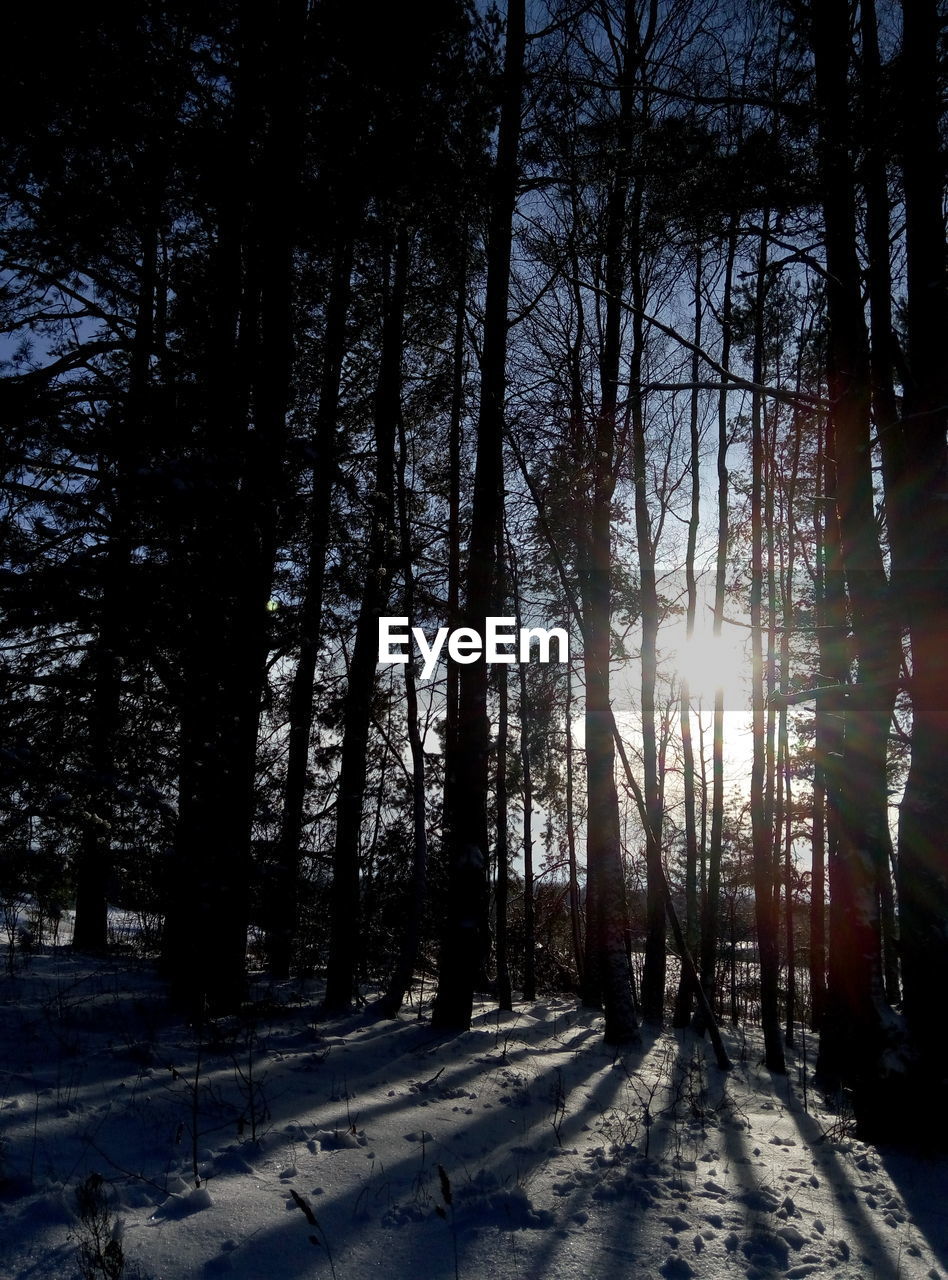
x=708, y=662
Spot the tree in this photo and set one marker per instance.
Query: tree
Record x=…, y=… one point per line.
x=464, y=945
x=227, y=575
x=346, y=912
x=856, y=1013
x=921, y=561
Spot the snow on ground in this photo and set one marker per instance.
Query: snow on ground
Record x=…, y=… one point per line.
x=523, y=1148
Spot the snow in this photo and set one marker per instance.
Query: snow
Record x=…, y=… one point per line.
x=522, y=1148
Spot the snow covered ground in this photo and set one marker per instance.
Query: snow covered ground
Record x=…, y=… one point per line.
x=523, y=1148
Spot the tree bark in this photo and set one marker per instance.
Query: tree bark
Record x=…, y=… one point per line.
x=285, y=909
x=404, y=970
x=710, y=922
x=788, y=493
x=345, y=936
x=464, y=941
x=93, y=869
x=575, y=915
x=606, y=966
x=229, y=569
x=923, y=568
x=529, y=914
x=502, y=856
x=854, y=1031
x=764, y=879
x=683, y=999
x=454, y=556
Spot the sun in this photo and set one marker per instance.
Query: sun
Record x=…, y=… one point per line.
x=709, y=662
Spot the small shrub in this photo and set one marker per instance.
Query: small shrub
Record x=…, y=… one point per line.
x=101, y=1256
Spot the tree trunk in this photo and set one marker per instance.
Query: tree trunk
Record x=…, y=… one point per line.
x=882, y=354
x=683, y=999
x=764, y=900
x=529, y=921
x=712, y=904
x=923, y=568
x=454, y=557
x=653, y=977
x=465, y=942
x=575, y=917
x=501, y=894
x=285, y=907
x=345, y=938
x=93, y=869
x=829, y=612
x=606, y=965
x=788, y=493
x=854, y=1030
x=404, y=969
x=229, y=569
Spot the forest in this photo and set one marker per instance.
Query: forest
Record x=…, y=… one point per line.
x=626, y=318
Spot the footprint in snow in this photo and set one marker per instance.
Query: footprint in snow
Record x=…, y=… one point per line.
x=337, y=1140
x=794, y=1238
x=676, y=1268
